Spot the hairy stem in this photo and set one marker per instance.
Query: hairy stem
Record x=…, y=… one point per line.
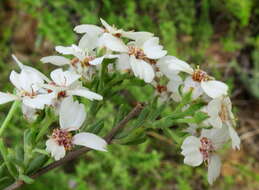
x=72, y=155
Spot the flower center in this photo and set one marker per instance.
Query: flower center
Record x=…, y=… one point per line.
x=29, y=94
x=161, y=88
x=86, y=61
x=200, y=75
x=74, y=61
x=62, y=94
x=139, y=54
x=63, y=138
x=206, y=148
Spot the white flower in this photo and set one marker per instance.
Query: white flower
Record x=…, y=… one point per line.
x=72, y=115
x=140, y=57
x=84, y=61
x=220, y=113
x=109, y=36
x=28, y=88
x=198, y=150
x=199, y=81
x=65, y=83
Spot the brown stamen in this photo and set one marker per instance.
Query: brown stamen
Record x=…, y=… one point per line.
x=200, y=75
x=62, y=138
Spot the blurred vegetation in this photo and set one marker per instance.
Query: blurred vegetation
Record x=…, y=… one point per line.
x=218, y=34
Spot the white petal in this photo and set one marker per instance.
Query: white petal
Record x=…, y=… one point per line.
x=179, y=65
x=215, y=121
x=107, y=26
x=189, y=84
x=113, y=43
x=39, y=101
x=214, y=88
x=174, y=83
x=138, y=35
x=64, y=50
x=193, y=158
x=15, y=79
x=72, y=114
x=97, y=61
x=84, y=92
x=163, y=65
x=64, y=78
x=213, y=168
x=191, y=141
x=234, y=137
x=29, y=80
x=214, y=107
x=152, y=49
x=122, y=63
x=56, y=60
x=30, y=69
x=90, y=140
x=89, y=29
x=88, y=42
x=17, y=61
x=142, y=69
x=5, y=97
x=56, y=151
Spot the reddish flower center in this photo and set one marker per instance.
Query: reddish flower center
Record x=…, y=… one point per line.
x=63, y=138
x=62, y=94
x=206, y=148
x=161, y=88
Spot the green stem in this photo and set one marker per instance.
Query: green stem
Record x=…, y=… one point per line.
x=9, y=117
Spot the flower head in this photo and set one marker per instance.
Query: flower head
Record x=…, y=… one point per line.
x=72, y=116
x=199, y=81
x=28, y=88
x=65, y=83
x=203, y=149
x=220, y=115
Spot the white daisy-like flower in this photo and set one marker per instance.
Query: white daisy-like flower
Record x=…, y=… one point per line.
x=140, y=57
x=220, y=115
x=85, y=59
x=198, y=150
x=199, y=81
x=109, y=36
x=28, y=88
x=72, y=116
x=66, y=83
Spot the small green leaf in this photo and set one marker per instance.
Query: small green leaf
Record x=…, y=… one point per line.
x=96, y=127
x=26, y=179
x=36, y=163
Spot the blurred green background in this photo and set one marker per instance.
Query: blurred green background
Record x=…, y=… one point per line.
x=220, y=35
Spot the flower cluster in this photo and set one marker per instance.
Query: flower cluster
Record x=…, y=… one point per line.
x=138, y=53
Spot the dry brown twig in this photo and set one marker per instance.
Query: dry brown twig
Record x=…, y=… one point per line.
x=72, y=155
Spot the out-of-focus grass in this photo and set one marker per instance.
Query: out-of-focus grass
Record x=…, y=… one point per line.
x=208, y=33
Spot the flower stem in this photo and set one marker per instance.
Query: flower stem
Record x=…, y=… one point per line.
x=9, y=117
